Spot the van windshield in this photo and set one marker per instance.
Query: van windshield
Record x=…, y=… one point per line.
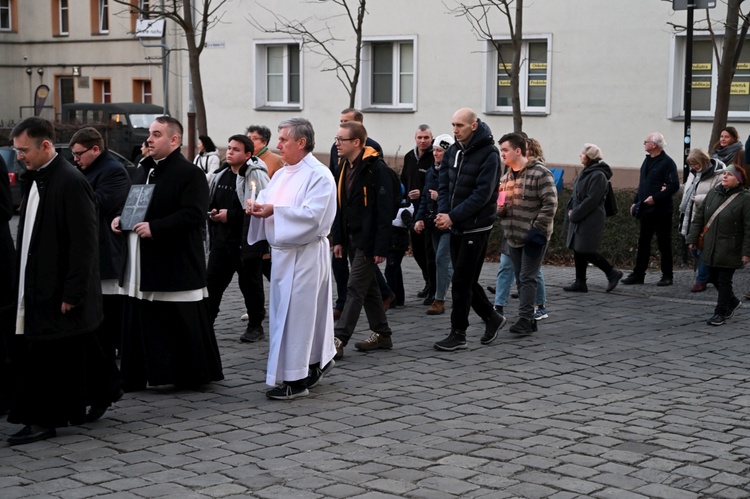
x=142, y=120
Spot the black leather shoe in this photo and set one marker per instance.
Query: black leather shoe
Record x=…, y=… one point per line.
x=632, y=279
x=31, y=433
x=95, y=412
x=613, y=279
x=665, y=281
x=577, y=287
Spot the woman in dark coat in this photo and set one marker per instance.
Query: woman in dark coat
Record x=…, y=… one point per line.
x=726, y=243
x=586, y=218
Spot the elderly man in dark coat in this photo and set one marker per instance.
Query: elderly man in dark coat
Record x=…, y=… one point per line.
x=586, y=218
x=58, y=364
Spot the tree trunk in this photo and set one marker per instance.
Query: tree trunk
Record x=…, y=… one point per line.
x=726, y=70
x=515, y=82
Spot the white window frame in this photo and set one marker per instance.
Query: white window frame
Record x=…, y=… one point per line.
x=676, y=109
x=64, y=17
x=367, y=74
x=491, y=106
x=261, y=76
x=6, y=6
x=103, y=13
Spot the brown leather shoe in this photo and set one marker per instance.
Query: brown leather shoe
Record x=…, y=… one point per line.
x=698, y=287
x=437, y=308
x=387, y=302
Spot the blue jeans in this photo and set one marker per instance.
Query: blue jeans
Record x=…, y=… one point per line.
x=505, y=277
x=441, y=242
x=703, y=269
x=527, y=270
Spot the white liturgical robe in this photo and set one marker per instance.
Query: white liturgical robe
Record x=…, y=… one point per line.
x=301, y=324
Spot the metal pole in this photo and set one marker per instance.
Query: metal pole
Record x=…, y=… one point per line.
x=688, y=88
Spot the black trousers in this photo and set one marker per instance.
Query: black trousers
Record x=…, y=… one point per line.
x=659, y=224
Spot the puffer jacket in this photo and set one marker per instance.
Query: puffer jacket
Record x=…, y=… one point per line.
x=728, y=238
x=530, y=202
x=468, y=182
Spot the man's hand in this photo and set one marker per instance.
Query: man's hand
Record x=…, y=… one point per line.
x=433, y=194
x=649, y=200
x=443, y=221
x=115, y=225
x=143, y=229
x=414, y=194
x=418, y=226
x=262, y=210
x=219, y=216
x=745, y=260
x=378, y=259
x=65, y=307
x=338, y=251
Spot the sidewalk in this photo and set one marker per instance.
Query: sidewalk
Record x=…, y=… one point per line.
x=622, y=395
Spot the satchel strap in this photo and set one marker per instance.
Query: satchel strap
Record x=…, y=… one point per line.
x=723, y=205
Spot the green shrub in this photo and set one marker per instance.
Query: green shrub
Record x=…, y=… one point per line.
x=620, y=241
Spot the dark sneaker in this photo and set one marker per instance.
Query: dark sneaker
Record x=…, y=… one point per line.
x=492, y=327
x=499, y=309
x=632, y=279
x=665, y=281
x=429, y=300
x=376, y=341
x=425, y=291
x=732, y=308
x=540, y=313
x=339, y=348
x=577, y=287
x=252, y=334
x=316, y=373
x=524, y=326
x=31, y=433
x=287, y=391
x=613, y=279
x=455, y=341
x=716, y=320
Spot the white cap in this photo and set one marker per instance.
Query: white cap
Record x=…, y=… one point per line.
x=443, y=141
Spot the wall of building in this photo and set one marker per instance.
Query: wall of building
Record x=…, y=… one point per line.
x=611, y=70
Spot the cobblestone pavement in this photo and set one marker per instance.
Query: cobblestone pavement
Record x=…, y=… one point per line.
x=622, y=395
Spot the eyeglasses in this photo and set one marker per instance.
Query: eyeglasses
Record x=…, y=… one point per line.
x=342, y=139
x=21, y=152
x=81, y=153
x=648, y=142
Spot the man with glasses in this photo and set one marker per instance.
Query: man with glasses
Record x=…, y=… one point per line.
x=363, y=230
x=111, y=184
x=652, y=206
x=58, y=364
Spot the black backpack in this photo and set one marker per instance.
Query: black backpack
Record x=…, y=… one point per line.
x=610, y=201
x=395, y=186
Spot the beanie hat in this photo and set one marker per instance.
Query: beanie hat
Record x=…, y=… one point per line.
x=443, y=141
x=592, y=152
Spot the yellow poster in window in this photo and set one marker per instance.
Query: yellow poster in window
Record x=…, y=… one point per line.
x=538, y=65
x=701, y=66
x=740, y=88
x=503, y=83
x=701, y=84
x=504, y=67
x=743, y=65
x=537, y=83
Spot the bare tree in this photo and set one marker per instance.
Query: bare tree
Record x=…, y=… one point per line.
x=735, y=26
x=316, y=35
x=480, y=17
x=194, y=18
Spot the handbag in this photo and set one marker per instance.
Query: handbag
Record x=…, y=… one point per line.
x=699, y=244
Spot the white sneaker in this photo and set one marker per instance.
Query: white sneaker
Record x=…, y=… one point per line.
x=245, y=317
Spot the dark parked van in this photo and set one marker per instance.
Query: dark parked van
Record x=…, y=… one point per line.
x=123, y=125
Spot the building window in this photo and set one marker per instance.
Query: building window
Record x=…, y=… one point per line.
x=705, y=79
x=103, y=16
x=102, y=91
x=60, y=17
x=7, y=10
x=389, y=79
x=144, y=7
x=142, y=91
x=534, y=72
x=140, y=10
x=278, y=75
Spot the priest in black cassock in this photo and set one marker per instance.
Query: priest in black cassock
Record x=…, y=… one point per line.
x=167, y=334
x=58, y=365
